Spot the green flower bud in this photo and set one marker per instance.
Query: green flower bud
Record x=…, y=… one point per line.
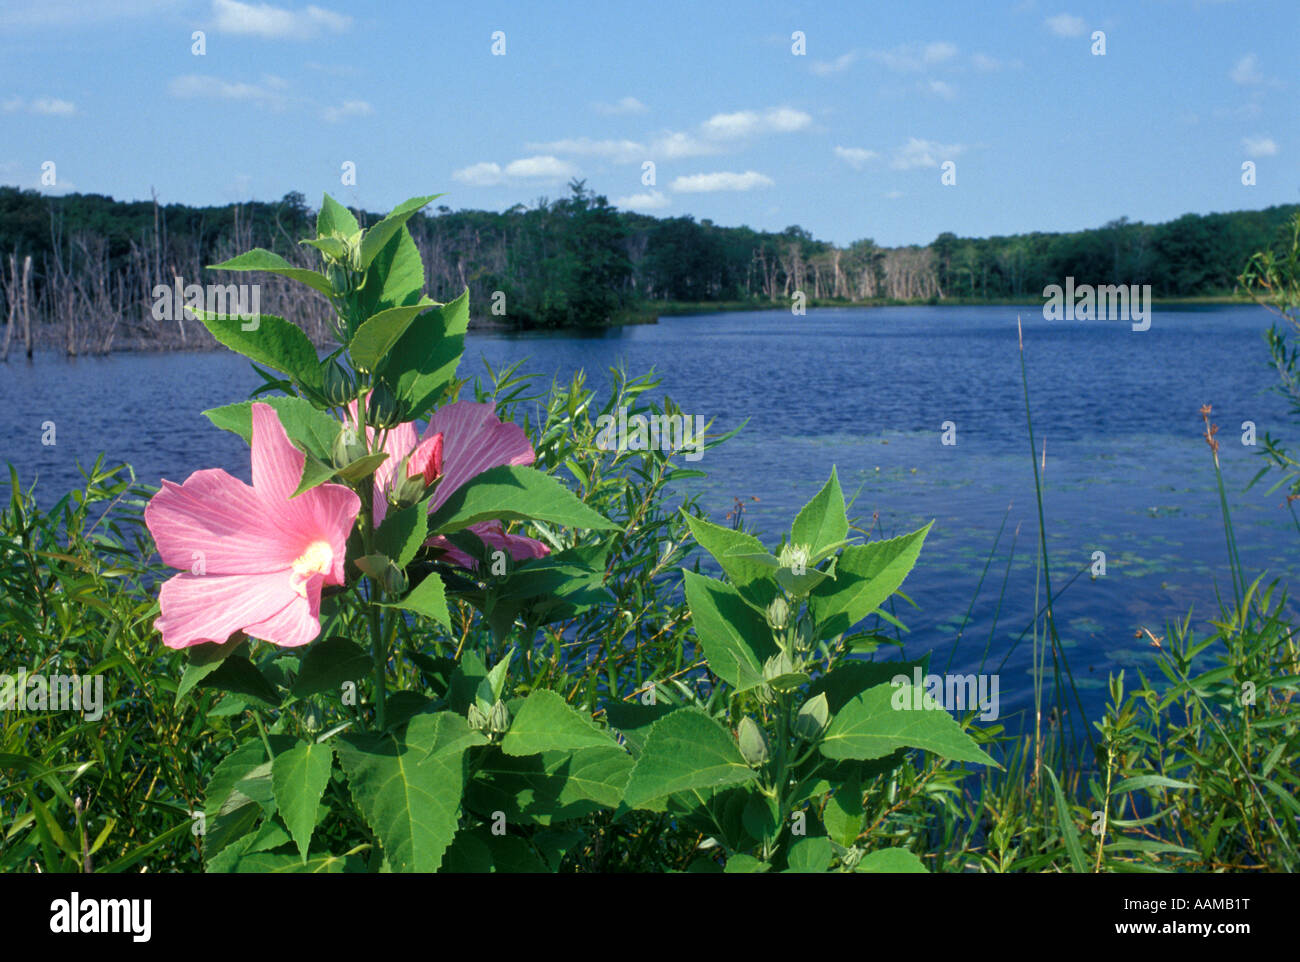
x=339, y=277
x=340, y=388
x=408, y=491
x=778, y=613
x=348, y=446
x=812, y=717
x=499, y=718
x=778, y=665
x=795, y=557
x=381, y=410
x=753, y=742
x=477, y=720
x=393, y=580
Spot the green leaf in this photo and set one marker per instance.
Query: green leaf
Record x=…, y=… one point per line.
x=333, y=218
x=843, y=813
x=810, y=854
x=752, y=579
x=228, y=772
x=314, y=473
x=686, y=750
x=1069, y=833
x=513, y=493
x=408, y=798
x=427, y=598
x=854, y=676
x=204, y=660
x=730, y=632
x=865, y=576
x=552, y=786
x=403, y=532
x=306, y=426
x=633, y=720
x=546, y=722
x=376, y=237
x=891, y=860
x=377, y=335
x=869, y=726
x=259, y=259
x=822, y=521
x=395, y=278
x=328, y=664
x=424, y=361
x=241, y=676
x=298, y=778
x=274, y=342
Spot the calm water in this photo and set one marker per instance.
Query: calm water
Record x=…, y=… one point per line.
x=867, y=390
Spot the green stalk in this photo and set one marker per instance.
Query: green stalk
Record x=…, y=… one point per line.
x=379, y=647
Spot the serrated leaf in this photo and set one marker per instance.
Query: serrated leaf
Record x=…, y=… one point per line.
x=686, y=750
x=735, y=640
x=376, y=237
x=869, y=726
x=328, y=664
x=514, y=493
x=891, y=860
x=865, y=576
x=424, y=361
x=751, y=578
x=427, y=598
x=409, y=799
x=274, y=343
x=260, y=259
x=822, y=521
x=312, y=429
x=546, y=722
x=333, y=218
x=377, y=335
x=298, y=779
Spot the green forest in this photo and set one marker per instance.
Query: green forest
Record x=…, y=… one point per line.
x=571, y=261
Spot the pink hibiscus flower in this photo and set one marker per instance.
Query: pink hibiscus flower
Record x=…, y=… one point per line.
x=425, y=460
x=255, y=558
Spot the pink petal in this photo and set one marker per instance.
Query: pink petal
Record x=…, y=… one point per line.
x=399, y=441
x=492, y=533
x=474, y=440
x=294, y=625
x=214, y=524
x=277, y=464
x=211, y=608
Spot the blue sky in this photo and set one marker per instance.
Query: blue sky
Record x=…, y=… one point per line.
x=846, y=139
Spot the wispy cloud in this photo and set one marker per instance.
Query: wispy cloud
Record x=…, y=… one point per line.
x=349, y=108
x=918, y=153
x=911, y=58
x=855, y=157
x=269, y=93
x=1246, y=71
x=651, y=200
x=628, y=105
x=824, y=68
x=48, y=106
x=619, y=151
x=1259, y=146
x=750, y=123
x=1066, y=25
x=720, y=180
x=276, y=23
x=940, y=89
x=538, y=168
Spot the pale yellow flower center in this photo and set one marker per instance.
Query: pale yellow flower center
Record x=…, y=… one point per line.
x=318, y=559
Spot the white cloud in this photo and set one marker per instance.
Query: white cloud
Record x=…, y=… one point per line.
x=542, y=167
x=628, y=105
x=923, y=153
x=49, y=106
x=855, y=157
x=619, y=151
x=268, y=93
x=721, y=180
x=986, y=64
x=349, y=108
x=824, y=68
x=1066, y=25
x=749, y=123
x=893, y=194
x=652, y=200
x=485, y=174
x=270, y=23
x=910, y=58
x=941, y=89
x=1259, y=146
x=675, y=145
x=1246, y=70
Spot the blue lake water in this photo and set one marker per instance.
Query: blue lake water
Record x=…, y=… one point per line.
x=1127, y=471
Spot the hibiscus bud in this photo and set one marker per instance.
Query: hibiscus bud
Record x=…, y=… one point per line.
x=339, y=278
x=477, y=720
x=753, y=742
x=381, y=411
x=408, y=491
x=393, y=580
x=778, y=613
x=499, y=718
x=348, y=446
x=777, y=665
x=810, y=721
x=339, y=387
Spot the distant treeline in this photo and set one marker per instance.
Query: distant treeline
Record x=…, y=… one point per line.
x=575, y=261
